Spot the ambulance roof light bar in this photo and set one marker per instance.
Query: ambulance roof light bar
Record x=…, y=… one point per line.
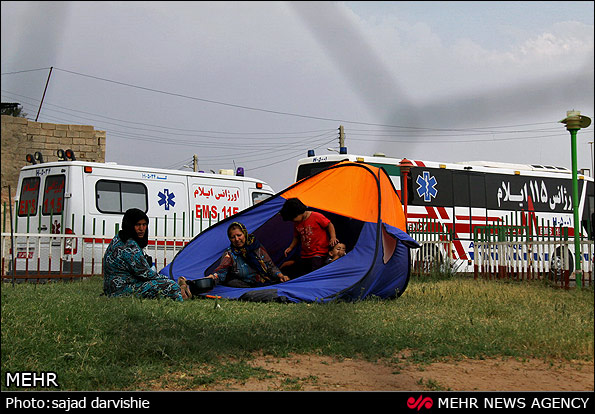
x=65, y=155
x=35, y=158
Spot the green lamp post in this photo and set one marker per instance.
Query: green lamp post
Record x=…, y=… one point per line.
x=575, y=121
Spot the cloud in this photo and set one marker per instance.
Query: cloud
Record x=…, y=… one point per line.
x=44, y=23
x=405, y=65
x=431, y=69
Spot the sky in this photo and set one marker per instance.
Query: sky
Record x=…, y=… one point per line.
x=258, y=84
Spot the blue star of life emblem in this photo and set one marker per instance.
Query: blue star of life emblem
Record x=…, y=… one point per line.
x=427, y=186
x=166, y=198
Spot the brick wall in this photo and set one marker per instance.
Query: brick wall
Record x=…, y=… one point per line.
x=21, y=137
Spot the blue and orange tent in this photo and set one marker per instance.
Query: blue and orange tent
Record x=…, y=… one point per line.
x=365, y=209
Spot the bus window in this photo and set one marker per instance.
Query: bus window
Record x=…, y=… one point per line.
x=469, y=189
x=478, y=195
x=460, y=187
x=29, y=195
x=306, y=170
x=119, y=196
x=53, y=195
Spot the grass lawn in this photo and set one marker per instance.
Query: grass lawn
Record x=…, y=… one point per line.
x=98, y=343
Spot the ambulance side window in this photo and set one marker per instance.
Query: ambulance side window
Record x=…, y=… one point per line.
x=29, y=196
x=119, y=196
x=258, y=197
x=53, y=195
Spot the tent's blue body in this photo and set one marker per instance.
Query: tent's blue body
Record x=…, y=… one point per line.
x=377, y=264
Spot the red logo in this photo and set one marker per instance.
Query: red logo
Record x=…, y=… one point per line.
x=420, y=403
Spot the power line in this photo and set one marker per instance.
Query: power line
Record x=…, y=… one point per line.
x=276, y=133
x=286, y=159
x=353, y=136
x=23, y=71
x=469, y=131
x=211, y=101
x=250, y=152
x=450, y=141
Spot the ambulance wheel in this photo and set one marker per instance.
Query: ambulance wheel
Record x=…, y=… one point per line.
x=428, y=258
x=557, y=270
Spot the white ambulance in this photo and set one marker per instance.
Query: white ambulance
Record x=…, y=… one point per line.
x=78, y=206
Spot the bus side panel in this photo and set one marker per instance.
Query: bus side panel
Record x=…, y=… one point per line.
x=588, y=209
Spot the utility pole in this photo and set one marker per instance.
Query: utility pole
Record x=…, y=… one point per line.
x=342, y=147
x=44, y=90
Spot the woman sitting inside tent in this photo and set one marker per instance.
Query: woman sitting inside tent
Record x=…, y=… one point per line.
x=126, y=269
x=246, y=262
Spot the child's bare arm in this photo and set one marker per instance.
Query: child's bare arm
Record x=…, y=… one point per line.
x=332, y=235
x=294, y=243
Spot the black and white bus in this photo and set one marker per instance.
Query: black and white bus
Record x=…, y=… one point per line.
x=465, y=197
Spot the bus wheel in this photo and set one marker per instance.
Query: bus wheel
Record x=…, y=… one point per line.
x=557, y=268
x=428, y=259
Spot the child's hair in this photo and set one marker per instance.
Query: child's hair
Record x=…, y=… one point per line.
x=332, y=248
x=292, y=208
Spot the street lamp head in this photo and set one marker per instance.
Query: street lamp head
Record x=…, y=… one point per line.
x=405, y=165
x=574, y=120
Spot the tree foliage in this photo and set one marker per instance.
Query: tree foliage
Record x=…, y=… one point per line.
x=13, y=109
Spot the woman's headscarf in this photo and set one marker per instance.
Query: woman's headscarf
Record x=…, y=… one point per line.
x=249, y=251
x=131, y=217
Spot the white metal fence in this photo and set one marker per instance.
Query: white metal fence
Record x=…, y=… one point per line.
x=551, y=260
x=65, y=256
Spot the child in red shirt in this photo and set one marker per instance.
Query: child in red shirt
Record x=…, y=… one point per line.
x=313, y=231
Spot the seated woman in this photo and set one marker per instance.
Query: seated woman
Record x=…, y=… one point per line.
x=245, y=263
x=126, y=269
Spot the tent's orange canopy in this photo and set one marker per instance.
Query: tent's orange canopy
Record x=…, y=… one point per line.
x=353, y=190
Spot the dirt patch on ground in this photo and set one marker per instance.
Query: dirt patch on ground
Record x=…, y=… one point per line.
x=311, y=373
x=321, y=373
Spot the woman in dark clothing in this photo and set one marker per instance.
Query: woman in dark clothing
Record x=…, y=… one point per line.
x=126, y=269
